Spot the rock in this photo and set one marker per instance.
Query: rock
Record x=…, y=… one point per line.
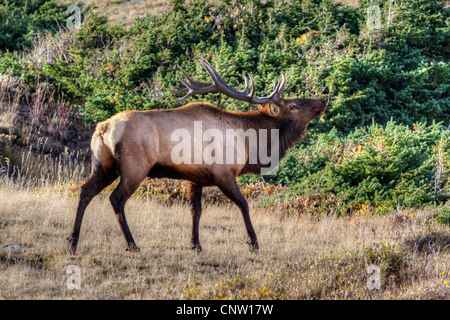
x=17, y=246
x=24, y=109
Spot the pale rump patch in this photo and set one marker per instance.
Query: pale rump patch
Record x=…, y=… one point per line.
x=112, y=130
x=101, y=155
x=105, y=139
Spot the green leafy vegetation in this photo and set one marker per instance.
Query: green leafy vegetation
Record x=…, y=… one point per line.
x=21, y=19
x=377, y=164
x=444, y=216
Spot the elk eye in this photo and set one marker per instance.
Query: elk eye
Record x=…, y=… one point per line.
x=293, y=107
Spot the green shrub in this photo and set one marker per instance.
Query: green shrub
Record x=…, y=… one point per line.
x=444, y=216
x=20, y=19
x=381, y=165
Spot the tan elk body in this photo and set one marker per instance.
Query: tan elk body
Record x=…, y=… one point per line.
x=139, y=144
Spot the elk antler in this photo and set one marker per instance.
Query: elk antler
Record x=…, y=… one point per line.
x=219, y=86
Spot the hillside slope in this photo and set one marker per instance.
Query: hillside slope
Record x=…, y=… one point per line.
x=126, y=11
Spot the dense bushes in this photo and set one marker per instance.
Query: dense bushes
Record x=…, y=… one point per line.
x=20, y=19
x=377, y=164
x=384, y=86
x=397, y=76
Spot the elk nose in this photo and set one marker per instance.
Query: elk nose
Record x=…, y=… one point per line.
x=322, y=105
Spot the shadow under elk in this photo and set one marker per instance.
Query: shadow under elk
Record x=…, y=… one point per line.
x=139, y=144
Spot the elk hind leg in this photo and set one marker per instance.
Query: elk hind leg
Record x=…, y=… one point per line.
x=98, y=180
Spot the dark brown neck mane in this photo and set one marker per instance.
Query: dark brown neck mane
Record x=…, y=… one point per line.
x=289, y=133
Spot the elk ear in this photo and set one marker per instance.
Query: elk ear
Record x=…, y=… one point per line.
x=275, y=110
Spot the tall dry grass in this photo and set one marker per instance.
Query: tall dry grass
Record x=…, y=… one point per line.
x=42, y=139
x=301, y=257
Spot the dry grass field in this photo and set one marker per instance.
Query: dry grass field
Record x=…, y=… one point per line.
x=301, y=257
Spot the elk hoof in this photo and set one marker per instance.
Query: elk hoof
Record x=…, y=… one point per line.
x=132, y=247
x=196, y=246
x=72, y=244
x=253, y=245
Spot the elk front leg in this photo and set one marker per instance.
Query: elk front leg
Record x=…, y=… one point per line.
x=230, y=188
x=195, y=198
x=132, y=172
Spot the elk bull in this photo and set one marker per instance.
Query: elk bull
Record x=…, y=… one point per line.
x=139, y=144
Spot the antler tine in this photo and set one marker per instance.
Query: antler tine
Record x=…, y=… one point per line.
x=273, y=95
x=217, y=80
x=246, y=85
x=192, y=81
x=181, y=91
x=278, y=89
x=185, y=90
x=190, y=88
x=283, y=84
x=252, y=91
x=275, y=89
